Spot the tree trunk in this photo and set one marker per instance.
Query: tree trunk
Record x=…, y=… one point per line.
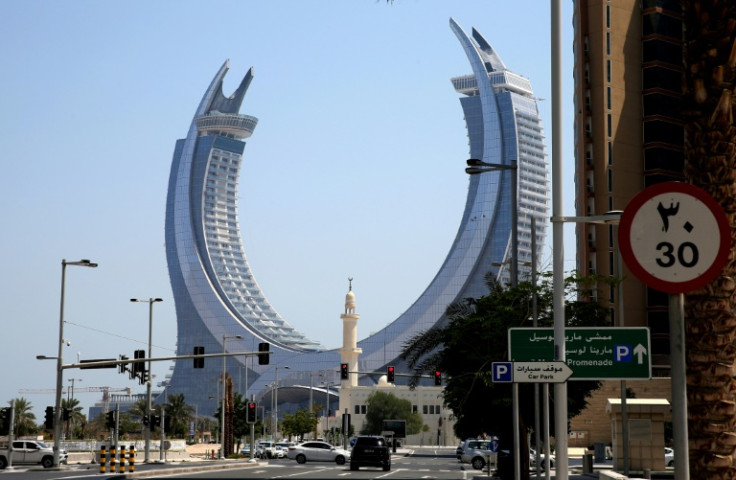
x=710, y=163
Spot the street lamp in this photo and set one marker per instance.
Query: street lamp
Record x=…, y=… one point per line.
x=59, y=358
x=558, y=297
x=327, y=405
x=311, y=375
x=69, y=397
x=222, y=409
x=276, y=401
x=150, y=302
x=476, y=167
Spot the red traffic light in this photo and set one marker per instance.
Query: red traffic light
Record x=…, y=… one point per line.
x=344, y=374
x=437, y=377
x=251, y=413
x=390, y=374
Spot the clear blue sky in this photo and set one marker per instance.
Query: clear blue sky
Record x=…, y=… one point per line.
x=356, y=168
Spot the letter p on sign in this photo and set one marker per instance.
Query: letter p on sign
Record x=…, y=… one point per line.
x=623, y=353
x=502, y=372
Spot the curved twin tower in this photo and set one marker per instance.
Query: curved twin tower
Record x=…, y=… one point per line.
x=218, y=300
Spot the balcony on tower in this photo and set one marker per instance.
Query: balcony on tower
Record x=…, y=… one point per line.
x=226, y=124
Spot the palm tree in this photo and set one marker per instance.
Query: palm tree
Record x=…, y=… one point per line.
x=24, y=419
x=138, y=410
x=179, y=413
x=710, y=163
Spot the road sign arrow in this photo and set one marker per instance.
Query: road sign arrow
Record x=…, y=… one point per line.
x=640, y=350
x=541, y=372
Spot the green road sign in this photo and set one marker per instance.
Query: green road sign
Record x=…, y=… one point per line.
x=592, y=353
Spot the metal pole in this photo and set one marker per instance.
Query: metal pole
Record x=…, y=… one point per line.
x=514, y=224
x=60, y=359
x=679, y=385
x=147, y=456
x=535, y=319
x=558, y=248
x=517, y=440
x=545, y=416
x=222, y=407
x=276, y=406
x=59, y=372
x=624, y=408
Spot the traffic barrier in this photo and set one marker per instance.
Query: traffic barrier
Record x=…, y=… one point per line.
x=103, y=459
x=131, y=459
x=113, y=458
x=121, y=464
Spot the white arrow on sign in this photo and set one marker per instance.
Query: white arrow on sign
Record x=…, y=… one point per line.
x=541, y=372
x=640, y=350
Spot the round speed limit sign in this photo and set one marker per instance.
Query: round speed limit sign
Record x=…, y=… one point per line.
x=674, y=237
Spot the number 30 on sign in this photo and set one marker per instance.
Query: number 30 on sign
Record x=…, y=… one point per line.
x=674, y=237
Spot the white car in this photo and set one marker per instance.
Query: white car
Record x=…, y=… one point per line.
x=314, y=451
x=669, y=457
x=542, y=459
x=280, y=449
x=30, y=452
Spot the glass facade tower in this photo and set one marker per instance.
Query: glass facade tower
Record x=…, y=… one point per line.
x=217, y=297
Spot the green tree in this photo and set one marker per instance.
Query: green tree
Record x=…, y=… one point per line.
x=179, y=413
x=138, y=410
x=299, y=423
x=387, y=406
x=24, y=419
x=475, y=335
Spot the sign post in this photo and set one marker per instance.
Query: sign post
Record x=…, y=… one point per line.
x=592, y=353
x=675, y=238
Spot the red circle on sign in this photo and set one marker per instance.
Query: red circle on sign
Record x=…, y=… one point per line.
x=697, y=199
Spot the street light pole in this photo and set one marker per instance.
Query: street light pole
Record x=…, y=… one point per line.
x=476, y=167
x=59, y=358
x=150, y=301
x=222, y=408
x=276, y=402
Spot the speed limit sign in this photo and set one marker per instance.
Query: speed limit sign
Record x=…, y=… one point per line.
x=674, y=237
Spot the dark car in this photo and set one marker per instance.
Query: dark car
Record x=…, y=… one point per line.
x=370, y=451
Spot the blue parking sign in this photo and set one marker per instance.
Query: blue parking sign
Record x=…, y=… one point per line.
x=502, y=372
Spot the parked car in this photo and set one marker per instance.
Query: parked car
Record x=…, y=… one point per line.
x=669, y=457
x=31, y=452
x=459, y=450
x=314, y=451
x=280, y=449
x=542, y=459
x=370, y=451
x=476, y=453
x=264, y=449
x=245, y=450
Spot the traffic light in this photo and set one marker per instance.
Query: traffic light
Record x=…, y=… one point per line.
x=198, y=362
x=48, y=418
x=155, y=420
x=123, y=367
x=5, y=414
x=263, y=357
x=110, y=420
x=344, y=374
x=390, y=373
x=143, y=377
x=66, y=413
x=250, y=416
x=146, y=420
x=437, y=377
x=139, y=366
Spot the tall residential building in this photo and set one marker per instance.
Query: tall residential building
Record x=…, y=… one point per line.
x=628, y=135
x=218, y=302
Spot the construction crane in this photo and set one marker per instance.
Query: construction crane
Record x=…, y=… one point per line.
x=65, y=391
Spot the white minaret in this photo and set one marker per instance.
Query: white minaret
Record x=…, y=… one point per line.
x=349, y=352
